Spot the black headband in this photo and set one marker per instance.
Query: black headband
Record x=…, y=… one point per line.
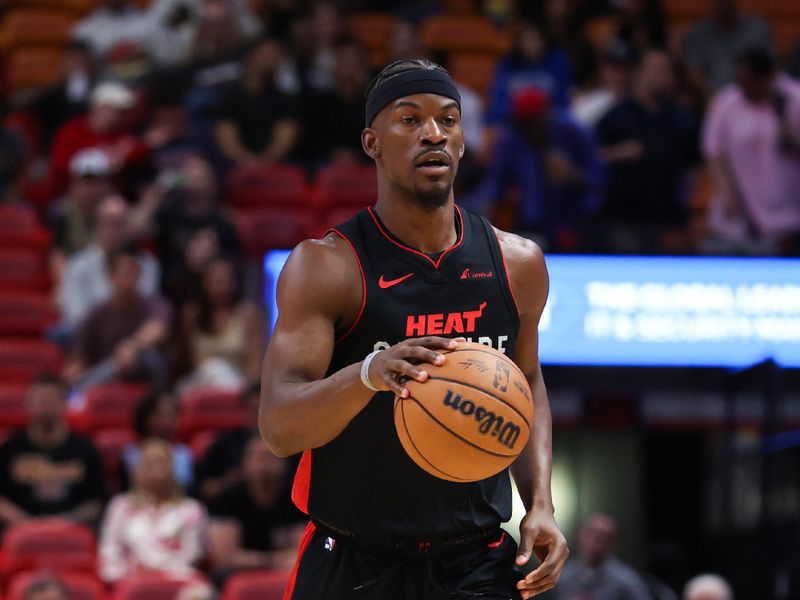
x=417, y=81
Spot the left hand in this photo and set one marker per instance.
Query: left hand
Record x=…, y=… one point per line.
x=540, y=535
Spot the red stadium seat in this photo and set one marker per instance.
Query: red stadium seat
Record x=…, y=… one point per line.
x=23, y=359
x=13, y=413
x=48, y=543
x=209, y=409
x=349, y=185
x=110, y=406
x=34, y=66
x=268, y=185
x=473, y=70
x=256, y=585
x=23, y=270
x=150, y=586
x=459, y=33
x=25, y=313
x=80, y=586
x=373, y=31
x=111, y=443
x=269, y=228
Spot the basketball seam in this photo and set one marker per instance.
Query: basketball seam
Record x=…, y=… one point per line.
x=480, y=389
x=463, y=439
x=504, y=357
x=419, y=452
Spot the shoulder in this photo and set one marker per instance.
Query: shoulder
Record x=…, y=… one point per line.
x=329, y=263
x=527, y=271
x=623, y=574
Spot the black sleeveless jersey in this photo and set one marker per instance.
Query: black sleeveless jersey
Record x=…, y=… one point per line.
x=363, y=481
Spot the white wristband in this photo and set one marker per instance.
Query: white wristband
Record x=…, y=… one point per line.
x=365, y=371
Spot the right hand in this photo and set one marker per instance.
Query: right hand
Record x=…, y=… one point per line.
x=392, y=367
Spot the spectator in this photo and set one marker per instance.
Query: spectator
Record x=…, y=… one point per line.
x=752, y=142
x=597, y=573
x=46, y=469
x=179, y=207
x=617, y=67
x=404, y=41
x=254, y=523
x=106, y=127
x=86, y=282
x=221, y=466
x=155, y=527
x=641, y=23
x=647, y=142
x=120, y=338
x=566, y=20
x=534, y=61
x=325, y=29
x=45, y=587
x=257, y=122
x=156, y=417
x=73, y=216
x=712, y=45
x=225, y=333
x=556, y=164
x=328, y=140
x=169, y=133
x=707, y=587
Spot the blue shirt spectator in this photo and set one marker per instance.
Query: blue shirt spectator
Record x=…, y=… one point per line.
x=534, y=62
x=553, y=160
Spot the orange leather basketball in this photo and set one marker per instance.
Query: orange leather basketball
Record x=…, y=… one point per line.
x=470, y=419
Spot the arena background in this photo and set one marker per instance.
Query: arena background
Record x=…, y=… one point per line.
x=671, y=345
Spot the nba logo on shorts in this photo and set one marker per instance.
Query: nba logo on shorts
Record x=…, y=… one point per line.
x=330, y=544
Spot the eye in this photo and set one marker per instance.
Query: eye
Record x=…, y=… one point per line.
x=449, y=121
x=408, y=120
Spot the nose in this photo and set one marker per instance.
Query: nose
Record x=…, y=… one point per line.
x=432, y=133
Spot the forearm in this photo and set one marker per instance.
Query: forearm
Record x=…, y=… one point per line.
x=11, y=513
x=87, y=512
x=283, y=140
x=533, y=469
x=297, y=416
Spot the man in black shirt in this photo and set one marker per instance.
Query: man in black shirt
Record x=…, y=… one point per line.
x=254, y=523
x=46, y=469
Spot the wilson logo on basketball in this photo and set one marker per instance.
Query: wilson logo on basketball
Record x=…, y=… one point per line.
x=467, y=274
x=443, y=324
x=488, y=422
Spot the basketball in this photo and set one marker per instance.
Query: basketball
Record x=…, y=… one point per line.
x=470, y=419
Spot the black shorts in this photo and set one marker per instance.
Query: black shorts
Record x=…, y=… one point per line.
x=330, y=568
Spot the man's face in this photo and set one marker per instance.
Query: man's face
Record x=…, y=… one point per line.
x=597, y=539
x=259, y=464
x=656, y=73
x=86, y=191
x=112, y=223
x=46, y=405
x=125, y=276
x=420, y=142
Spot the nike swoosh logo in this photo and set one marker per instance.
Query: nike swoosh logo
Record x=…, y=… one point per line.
x=383, y=284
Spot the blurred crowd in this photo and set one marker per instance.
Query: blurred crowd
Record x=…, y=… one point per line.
x=598, y=128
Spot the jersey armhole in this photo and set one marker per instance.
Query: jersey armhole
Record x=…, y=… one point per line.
x=363, y=285
x=505, y=279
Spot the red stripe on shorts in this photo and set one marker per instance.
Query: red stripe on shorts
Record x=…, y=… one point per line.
x=308, y=533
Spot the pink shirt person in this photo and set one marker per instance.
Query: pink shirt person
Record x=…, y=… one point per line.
x=746, y=135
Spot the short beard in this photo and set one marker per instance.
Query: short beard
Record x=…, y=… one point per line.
x=435, y=197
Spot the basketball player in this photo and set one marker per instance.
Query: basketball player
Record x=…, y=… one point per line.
x=364, y=309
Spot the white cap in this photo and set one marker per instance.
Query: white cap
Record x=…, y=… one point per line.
x=112, y=93
x=91, y=161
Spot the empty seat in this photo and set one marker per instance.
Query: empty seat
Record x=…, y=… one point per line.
x=149, y=586
x=25, y=313
x=267, y=228
x=454, y=33
x=111, y=443
x=80, y=585
x=34, y=66
x=349, y=185
x=13, y=413
x=22, y=270
x=256, y=585
x=23, y=359
x=268, y=185
x=373, y=31
x=37, y=26
x=48, y=543
x=110, y=406
x=209, y=409
x=473, y=70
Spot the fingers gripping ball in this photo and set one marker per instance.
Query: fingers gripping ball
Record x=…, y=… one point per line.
x=470, y=419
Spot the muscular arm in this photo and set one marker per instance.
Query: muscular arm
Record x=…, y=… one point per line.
x=319, y=287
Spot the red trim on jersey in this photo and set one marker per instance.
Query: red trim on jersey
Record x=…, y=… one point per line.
x=436, y=262
x=308, y=533
x=302, y=482
x=508, y=277
x=363, y=285
x=498, y=542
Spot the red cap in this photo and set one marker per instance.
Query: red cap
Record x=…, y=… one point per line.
x=529, y=103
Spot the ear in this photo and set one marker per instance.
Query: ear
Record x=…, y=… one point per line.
x=369, y=142
x=461, y=151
